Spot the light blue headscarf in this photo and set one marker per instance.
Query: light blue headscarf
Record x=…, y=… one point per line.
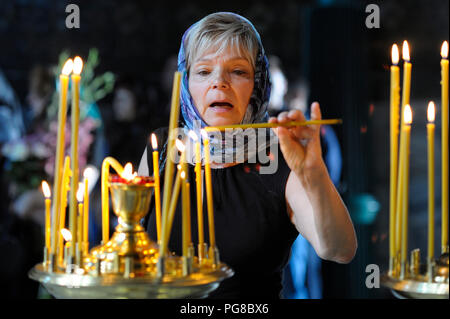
x=256, y=110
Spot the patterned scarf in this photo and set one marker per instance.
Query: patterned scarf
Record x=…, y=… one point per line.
x=226, y=148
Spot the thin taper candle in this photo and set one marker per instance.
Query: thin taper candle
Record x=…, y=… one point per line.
x=62, y=112
x=169, y=170
x=430, y=137
x=444, y=141
x=394, y=130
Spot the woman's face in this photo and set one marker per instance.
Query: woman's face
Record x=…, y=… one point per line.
x=221, y=86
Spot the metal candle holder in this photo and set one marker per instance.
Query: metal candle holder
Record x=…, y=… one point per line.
x=129, y=265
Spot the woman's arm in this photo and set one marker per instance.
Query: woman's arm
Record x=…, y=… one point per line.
x=314, y=205
x=319, y=214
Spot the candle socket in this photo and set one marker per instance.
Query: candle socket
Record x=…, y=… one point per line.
x=78, y=255
x=187, y=265
x=70, y=264
x=430, y=269
x=415, y=262
x=98, y=267
x=202, y=252
x=129, y=267
x=191, y=250
x=403, y=270
x=52, y=266
x=214, y=255
x=160, y=267
x=46, y=257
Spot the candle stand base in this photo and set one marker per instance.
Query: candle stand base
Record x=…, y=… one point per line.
x=420, y=285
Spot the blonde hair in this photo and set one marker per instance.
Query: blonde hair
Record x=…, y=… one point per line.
x=220, y=31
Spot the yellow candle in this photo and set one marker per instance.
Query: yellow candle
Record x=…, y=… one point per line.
x=47, y=194
x=394, y=129
x=75, y=78
x=271, y=125
x=188, y=209
x=168, y=173
x=64, y=84
x=107, y=162
x=63, y=200
x=430, y=136
x=405, y=198
x=212, y=237
x=157, y=186
x=80, y=218
x=198, y=184
x=86, y=213
x=405, y=100
x=444, y=141
x=185, y=231
x=172, y=206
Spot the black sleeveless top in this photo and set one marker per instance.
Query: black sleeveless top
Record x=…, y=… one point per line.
x=253, y=231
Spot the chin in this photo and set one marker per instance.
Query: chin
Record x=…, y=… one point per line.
x=221, y=121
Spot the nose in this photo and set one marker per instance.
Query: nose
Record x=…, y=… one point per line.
x=220, y=81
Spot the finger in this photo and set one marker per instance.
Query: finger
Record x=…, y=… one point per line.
x=273, y=120
x=296, y=115
x=283, y=117
x=316, y=114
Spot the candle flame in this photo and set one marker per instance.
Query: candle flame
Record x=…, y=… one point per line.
x=179, y=144
x=183, y=174
x=88, y=173
x=395, y=55
x=80, y=192
x=67, y=235
x=431, y=112
x=154, y=142
x=68, y=67
x=444, y=50
x=407, y=115
x=193, y=135
x=128, y=172
x=406, y=56
x=46, y=189
x=77, y=65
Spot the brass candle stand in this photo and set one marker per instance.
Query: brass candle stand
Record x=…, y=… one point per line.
x=129, y=265
x=415, y=280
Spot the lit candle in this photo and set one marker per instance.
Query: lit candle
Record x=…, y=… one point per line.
x=65, y=185
x=212, y=237
x=198, y=181
x=157, y=186
x=405, y=100
x=75, y=78
x=407, y=131
x=430, y=136
x=63, y=84
x=87, y=172
x=67, y=236
x=394, y=129
x=168, y=174
x=80, y=194
x=47, y=194
x=444, y=141
x=107, y=162
x=184, y=175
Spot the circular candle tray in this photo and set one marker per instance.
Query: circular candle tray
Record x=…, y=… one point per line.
x=198, y=284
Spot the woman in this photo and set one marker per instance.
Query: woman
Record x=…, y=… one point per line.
x=257, y=216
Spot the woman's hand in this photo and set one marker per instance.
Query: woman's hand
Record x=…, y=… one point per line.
x=300, y=145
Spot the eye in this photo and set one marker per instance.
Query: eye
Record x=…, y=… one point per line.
x=203, y=72
x=239, y=72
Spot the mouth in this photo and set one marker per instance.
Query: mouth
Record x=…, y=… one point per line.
x=221, y=105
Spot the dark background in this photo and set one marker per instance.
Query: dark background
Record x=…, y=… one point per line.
x=325, y=42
